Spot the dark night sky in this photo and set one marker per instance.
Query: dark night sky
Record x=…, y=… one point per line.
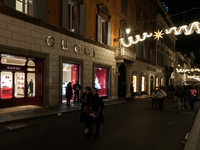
x=189, y=42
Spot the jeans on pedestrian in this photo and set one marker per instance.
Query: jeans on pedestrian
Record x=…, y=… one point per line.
x=154, y=103
x=181, y=102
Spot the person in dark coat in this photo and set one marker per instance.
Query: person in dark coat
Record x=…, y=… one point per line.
x=192, y=101
x=97, y=105
x=85, y=117
x=76, y=88
x=69, y=93
x=132, y=89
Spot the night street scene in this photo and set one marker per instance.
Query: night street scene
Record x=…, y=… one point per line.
x=99, y=75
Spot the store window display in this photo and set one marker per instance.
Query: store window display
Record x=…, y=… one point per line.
x=70, y=74
x=157, y=82
x=21, y=80
x=143, y=84
x=6, y=85
x=101, y=81
x=135, y=84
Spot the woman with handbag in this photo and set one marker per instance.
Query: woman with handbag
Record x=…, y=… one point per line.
x=85, y=117
x=96, y=111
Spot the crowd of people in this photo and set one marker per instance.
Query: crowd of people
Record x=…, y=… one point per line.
x=182, y=94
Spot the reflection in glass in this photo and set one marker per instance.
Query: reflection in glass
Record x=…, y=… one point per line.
x=31, y=84
x=6, y=85
x=19, y=85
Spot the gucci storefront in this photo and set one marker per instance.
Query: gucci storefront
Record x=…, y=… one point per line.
x=21, y=80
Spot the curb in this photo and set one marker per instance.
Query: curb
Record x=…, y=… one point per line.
x=51, y=114
x=192, y=142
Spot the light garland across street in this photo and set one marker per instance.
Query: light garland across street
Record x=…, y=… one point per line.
x=187, y=30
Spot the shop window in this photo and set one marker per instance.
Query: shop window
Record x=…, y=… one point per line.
x=19, y=85
x=25, y=6
x=13, y=60
x=103, y=29
x=101, y=81
x=135, y=83
x=6, y=85
x=143, y=84
x=30, y=84
x=157, y=82
x=70, y=74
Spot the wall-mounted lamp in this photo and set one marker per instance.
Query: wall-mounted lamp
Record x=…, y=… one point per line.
x=128, y=31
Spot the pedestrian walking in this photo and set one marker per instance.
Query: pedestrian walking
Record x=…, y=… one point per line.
x=76, y=88
x=97, y=105
x=154, y=98
x=132, y=91
x=85, y=110
x=192, y=102
x=181, y=98
x=175, y=94
x=68, y=93
x=193, y=92
x=161, y=95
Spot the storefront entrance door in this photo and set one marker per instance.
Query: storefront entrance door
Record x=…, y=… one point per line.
x=122, y=81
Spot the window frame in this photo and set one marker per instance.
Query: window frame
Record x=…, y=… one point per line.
x=24, y=8
x=71, y=3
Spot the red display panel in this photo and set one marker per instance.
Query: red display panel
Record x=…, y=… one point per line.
x=74, y=74
x=101, y=80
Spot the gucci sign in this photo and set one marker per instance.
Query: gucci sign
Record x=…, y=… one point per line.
x=65, y=45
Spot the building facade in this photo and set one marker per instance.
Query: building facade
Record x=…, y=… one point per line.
x=46, y=44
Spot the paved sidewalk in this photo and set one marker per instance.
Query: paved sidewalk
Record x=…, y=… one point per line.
x=193, y=142
x=27, y=113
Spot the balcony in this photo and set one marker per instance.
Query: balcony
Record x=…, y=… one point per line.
x=125, y=54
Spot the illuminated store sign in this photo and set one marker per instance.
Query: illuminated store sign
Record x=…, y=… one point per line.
x=13, y=68
x=65, y=45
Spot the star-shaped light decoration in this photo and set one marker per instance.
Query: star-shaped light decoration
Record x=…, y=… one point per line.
x=158, y=34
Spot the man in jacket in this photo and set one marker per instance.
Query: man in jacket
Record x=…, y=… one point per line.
x=181, y=97
x=76, y=88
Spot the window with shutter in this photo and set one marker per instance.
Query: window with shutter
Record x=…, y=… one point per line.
x=73, y=16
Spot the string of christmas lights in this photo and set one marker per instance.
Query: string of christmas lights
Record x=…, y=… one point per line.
x=195, y=26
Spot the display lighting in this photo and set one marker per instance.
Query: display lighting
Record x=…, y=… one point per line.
x=137, y=39
x=195, y=26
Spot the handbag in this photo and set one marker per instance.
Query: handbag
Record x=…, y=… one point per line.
x=94, y=113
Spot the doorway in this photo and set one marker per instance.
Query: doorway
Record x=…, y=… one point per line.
x=151, y=84
x=70, y=74
x=122, y=81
